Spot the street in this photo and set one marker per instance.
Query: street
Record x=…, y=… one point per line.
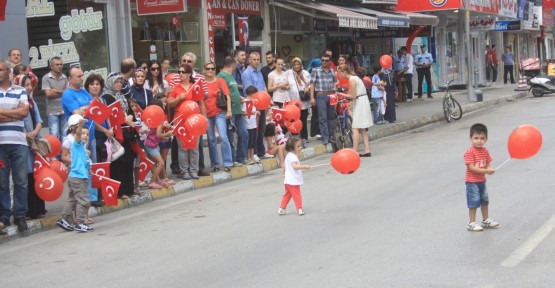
x=399, y=221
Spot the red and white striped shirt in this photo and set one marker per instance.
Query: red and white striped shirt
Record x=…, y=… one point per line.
x=479, y=156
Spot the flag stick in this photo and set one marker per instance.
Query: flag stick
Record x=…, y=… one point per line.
x=503, y=163
x=176, y=118
x=318, y=165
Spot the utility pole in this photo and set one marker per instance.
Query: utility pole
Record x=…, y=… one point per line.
x=469, y=64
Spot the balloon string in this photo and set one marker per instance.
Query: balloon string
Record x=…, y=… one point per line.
x=312, y=166
x=176, y=118
x=505, y=162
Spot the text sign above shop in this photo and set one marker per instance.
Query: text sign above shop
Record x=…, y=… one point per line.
x=508, y=8
x=251, y=7
x=507, y=25
x=149, y=7
x=392, y=22
x=219, y=21
x=427, y=5
x=482, y=24
x=485, y=6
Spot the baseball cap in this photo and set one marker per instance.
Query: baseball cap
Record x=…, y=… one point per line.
x=74, y=119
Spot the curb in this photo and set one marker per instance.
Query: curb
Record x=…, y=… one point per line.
x=235, y=173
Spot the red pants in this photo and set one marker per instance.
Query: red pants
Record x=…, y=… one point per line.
x=292, y=191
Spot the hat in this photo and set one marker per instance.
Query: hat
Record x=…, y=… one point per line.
x=422, y=46
x=74, y=119
x=231, y=127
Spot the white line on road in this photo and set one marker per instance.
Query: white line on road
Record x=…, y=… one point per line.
x=531, y=243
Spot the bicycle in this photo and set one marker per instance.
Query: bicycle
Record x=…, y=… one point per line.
x=343, y=134
x=451, y=107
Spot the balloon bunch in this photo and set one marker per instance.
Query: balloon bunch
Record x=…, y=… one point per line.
x=50, y=176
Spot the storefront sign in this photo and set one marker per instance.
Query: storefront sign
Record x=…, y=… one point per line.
x=508, y=8
x=485, y=6
x=427, y=5
x=219, y=21
x=210, y=12
x=39, y=8
x=547, y=12
x=251, y=7
x=3, y=9
x=509, y=25
x=393, y=32
x=352, y=22
x=148, y=7
x=482, y=24
x=392, y=22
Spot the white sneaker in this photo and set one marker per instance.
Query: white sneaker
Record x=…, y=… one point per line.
x=301, y=212
x=318, y=136
x=282, y=211
x=472, y=226
x=255, y=158
x=409, y=100
x=488, y=223
x=268, y=156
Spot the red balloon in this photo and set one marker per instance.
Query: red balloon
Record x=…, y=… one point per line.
x=48, y=185
x=153, y=116
x=189, y=108
x=196, y=124
x=55, y=145
x=60, y=169
x=345, y=161
x=297, y=103
x=386, y=61
x=524, y=142
x=261, y=100
x=292, y=113
x=294, y=127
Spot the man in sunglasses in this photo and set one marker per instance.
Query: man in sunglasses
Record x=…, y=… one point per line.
x=322, y=84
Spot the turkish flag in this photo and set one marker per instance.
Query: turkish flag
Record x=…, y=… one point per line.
x=278, y=115
x=110, y=190
x=40, y=162
x=96, y=180
x=145, y=167
x=3, y=9
x=138, y=112
x=117, y=133
x=97, y=111
x=248, y=104
x=116, y=114
x=188, y=141
x=333, y=99
x=100, y=169
x=137, y=149
x=243, y=24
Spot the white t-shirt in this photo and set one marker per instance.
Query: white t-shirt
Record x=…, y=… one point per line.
x=280, y=95
x=251, y=122
x=292, y=176
x=66, y=143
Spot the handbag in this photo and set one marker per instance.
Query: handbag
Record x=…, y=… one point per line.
x=302, y=95
x=221, y=102
x=116, y=149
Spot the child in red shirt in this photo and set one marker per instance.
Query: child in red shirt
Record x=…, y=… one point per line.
x=478, y=164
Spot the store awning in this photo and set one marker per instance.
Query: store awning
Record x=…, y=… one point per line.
x=420, y=19
x=385, y=19
x=345, y=17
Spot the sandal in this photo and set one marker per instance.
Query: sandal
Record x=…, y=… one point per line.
x=227, y=169
x=216, y=169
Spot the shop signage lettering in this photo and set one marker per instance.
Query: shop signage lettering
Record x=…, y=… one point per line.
x=236, y=6
x=482, y=24
x=508, y=8
x=80, y=21
x=210, y=12
x=507, y=25
x=39, y=8
x=218, y=21
x=147, y=7
x=100, y=71
x=392, y=22
x=66, y=51
x=355, y=23
x=487, y=6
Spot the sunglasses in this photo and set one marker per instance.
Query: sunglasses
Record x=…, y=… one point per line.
x=154, y=68
x=210, y=69
x=182, y=72
x=187, y=61
x=325, y=60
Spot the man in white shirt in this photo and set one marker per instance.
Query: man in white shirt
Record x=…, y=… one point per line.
x=408, y=70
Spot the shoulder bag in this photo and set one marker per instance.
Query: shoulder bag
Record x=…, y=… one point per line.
x=302, y=95
x=221, y=102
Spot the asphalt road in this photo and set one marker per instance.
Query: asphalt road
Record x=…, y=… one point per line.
x=399, y=221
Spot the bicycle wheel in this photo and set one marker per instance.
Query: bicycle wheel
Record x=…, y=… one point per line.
x=447, y=108
x=336, y=142
x=456, y=109
x=347, y=133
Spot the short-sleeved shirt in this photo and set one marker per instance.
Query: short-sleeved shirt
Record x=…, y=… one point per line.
x=75, y=99
x=376, y=92
x=251, y=77
x=233, y=92
x=342, y=82
x=424, y=58
x=189, y=95
x=199, y=79
x=399, y=63
x=210, y=102
x=80, y=164
x=54, y=105
x=292, y=176
x=508, y=59
x=12, y=132
x=409, y=64
x=479, y=156
x=323, y=80
x=279, y=95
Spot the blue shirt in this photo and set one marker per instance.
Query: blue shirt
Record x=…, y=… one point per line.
x=508, y=59
x=12, y=132
x=73, y=100
x=423, y=58
x=376, y=92
x=254, y=78
x=80, y=164
x=399, y=63
x=237, y=75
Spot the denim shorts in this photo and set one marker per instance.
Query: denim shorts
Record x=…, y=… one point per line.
x=476, y=194
x=152, y=152
x=165, y=145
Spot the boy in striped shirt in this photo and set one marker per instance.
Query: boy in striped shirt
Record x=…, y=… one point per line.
x=478, y=164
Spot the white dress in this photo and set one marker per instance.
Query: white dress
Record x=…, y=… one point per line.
x=362, y=116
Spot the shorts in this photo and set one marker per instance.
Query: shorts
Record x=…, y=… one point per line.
x=165, y=145
x=476, y=194
x=252, y=138
x=152, y=152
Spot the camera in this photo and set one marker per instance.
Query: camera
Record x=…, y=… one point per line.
x=341, y=89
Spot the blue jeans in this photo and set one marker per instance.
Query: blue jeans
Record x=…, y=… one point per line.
x=220, y=122
x=57, y=125
x=239, y=153
x=14, y=157
x=476, y=194
x=326, y=116
x=377, y=116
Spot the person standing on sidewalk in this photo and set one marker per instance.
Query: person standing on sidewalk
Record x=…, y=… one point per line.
x=54, y=83
x=252, y=76
x=488, y=63
x=508, y=59
x=408, y=70
x=423, y=64
x=494, y=62
x=13, y=149
x=322, y=84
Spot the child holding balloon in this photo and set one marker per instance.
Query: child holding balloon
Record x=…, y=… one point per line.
x=478, y=163
x=152, y=149
x=293, y=177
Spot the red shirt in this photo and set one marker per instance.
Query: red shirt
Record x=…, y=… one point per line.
x=343, y=82
x=482, y=159
x=210, y=103
x=193, y=94
x=493, y=56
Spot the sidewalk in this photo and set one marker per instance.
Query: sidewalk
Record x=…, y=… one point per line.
x=410, y=116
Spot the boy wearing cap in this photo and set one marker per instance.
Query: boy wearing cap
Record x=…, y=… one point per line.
x=423, y=62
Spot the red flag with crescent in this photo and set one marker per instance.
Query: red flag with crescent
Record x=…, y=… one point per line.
x=110, y=188
x=145, y=167
x=279, y=116
x=188, y=141
x=118, y=134
x=138, y=111
x=97, y=111
x=116, y=114
x=40, y=162
x=243, y=24
x=248, y=104
x=137, y=149
x=99, y=170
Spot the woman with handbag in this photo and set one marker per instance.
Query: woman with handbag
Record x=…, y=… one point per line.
x=299, y=81
x=218, y=110
x=95, y=85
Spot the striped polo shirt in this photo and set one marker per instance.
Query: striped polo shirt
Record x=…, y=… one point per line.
x=482, y=159
x=12, y=132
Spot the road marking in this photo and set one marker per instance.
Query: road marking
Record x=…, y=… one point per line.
x=531, y=243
